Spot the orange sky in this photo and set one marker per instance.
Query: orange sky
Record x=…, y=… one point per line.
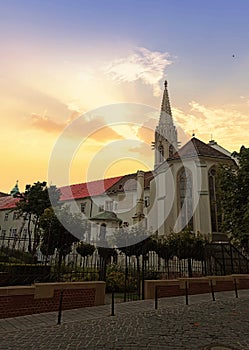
x=50, y=75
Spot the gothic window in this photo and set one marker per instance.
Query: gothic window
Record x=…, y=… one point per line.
x=161, y=153
x=185, y=193
x=171, y=150
x=6, y=216
x=215, y=218
x=147, y=201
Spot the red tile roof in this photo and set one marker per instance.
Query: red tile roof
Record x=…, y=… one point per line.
x=195, y=147
x=129, y=182
x=2, y=194
x=8, y=202
x=87, y=189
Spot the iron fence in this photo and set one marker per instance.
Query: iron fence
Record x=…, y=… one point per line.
x=123, y=274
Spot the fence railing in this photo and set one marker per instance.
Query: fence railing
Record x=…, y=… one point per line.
x=123, y=274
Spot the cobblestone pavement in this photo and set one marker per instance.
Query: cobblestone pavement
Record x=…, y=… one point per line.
x=204, y=324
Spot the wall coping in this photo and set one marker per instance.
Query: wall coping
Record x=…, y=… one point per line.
x=181, y=282
x=46, y=290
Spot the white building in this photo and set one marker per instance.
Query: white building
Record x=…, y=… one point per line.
x=179, y=192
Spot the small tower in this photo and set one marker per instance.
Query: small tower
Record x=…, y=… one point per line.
x=15, y=190
x=165, y=143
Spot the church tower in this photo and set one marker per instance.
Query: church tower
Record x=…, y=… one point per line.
x=165, y=143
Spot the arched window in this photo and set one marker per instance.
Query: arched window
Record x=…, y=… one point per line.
x=161, y=153
x=185, y=196
x=215, y=218
x=171, y=150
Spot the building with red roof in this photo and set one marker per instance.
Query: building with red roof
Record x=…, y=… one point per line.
x=179, y=192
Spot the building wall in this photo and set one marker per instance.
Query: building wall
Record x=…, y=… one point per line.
x=123, y=204
x=165, y=216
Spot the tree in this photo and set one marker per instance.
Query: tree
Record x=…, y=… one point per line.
x=31, y=206
x=59, y=231
x=233, y=192
x=136, y=241
x=184, y=245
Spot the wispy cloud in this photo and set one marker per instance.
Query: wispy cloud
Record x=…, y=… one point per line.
x=224, y=124
x=94, y=128
x=46, y=123
x=148, y=66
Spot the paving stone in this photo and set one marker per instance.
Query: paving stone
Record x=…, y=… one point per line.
x=136, y=325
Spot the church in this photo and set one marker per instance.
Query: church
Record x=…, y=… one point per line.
x=179, y=192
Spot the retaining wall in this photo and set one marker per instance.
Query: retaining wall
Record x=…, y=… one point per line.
x=44, y=297
x=200, y=285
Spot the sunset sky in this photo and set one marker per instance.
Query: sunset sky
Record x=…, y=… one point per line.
x=97, y=68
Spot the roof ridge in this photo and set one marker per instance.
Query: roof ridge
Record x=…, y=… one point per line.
x=103, y=179
x=201, y=148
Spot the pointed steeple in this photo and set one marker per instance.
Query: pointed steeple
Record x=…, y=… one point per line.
x=165, y=135
x=15, y=190
x=165, y=107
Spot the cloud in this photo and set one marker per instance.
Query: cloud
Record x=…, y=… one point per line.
x=224, y=124
x=148, y=66
x=146, y=132
x=45, y=123
x=83, y=127
x=143, y=150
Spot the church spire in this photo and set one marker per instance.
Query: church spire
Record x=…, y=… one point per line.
x=165, y=107
x=165, y=143
x=166, y=114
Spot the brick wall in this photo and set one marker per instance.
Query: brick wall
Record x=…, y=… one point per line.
x=170, y=288
x=39, y=298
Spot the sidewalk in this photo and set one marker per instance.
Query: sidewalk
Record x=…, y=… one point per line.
x=104, y=311
x=202, y=325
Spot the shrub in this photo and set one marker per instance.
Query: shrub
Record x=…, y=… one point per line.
x=21, y=274
x=115, y=280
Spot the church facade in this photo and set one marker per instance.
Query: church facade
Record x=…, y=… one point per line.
x=179, y=192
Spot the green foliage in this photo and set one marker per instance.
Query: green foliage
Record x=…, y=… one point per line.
x=115, y=280
x=139, y=236
x=106, y=253
x=11, y=255
x=187, y=245
x=36, y=199
x=54, y=233
x=164, y=248
x=32, y=204
x=233, y=192
x=20, y=274
x=85, y=249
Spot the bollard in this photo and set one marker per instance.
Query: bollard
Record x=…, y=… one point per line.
x=235, y=288
x=112, y=313
x=60, y=307
x=156, y=297
x=186, y=292
x=212, y=290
